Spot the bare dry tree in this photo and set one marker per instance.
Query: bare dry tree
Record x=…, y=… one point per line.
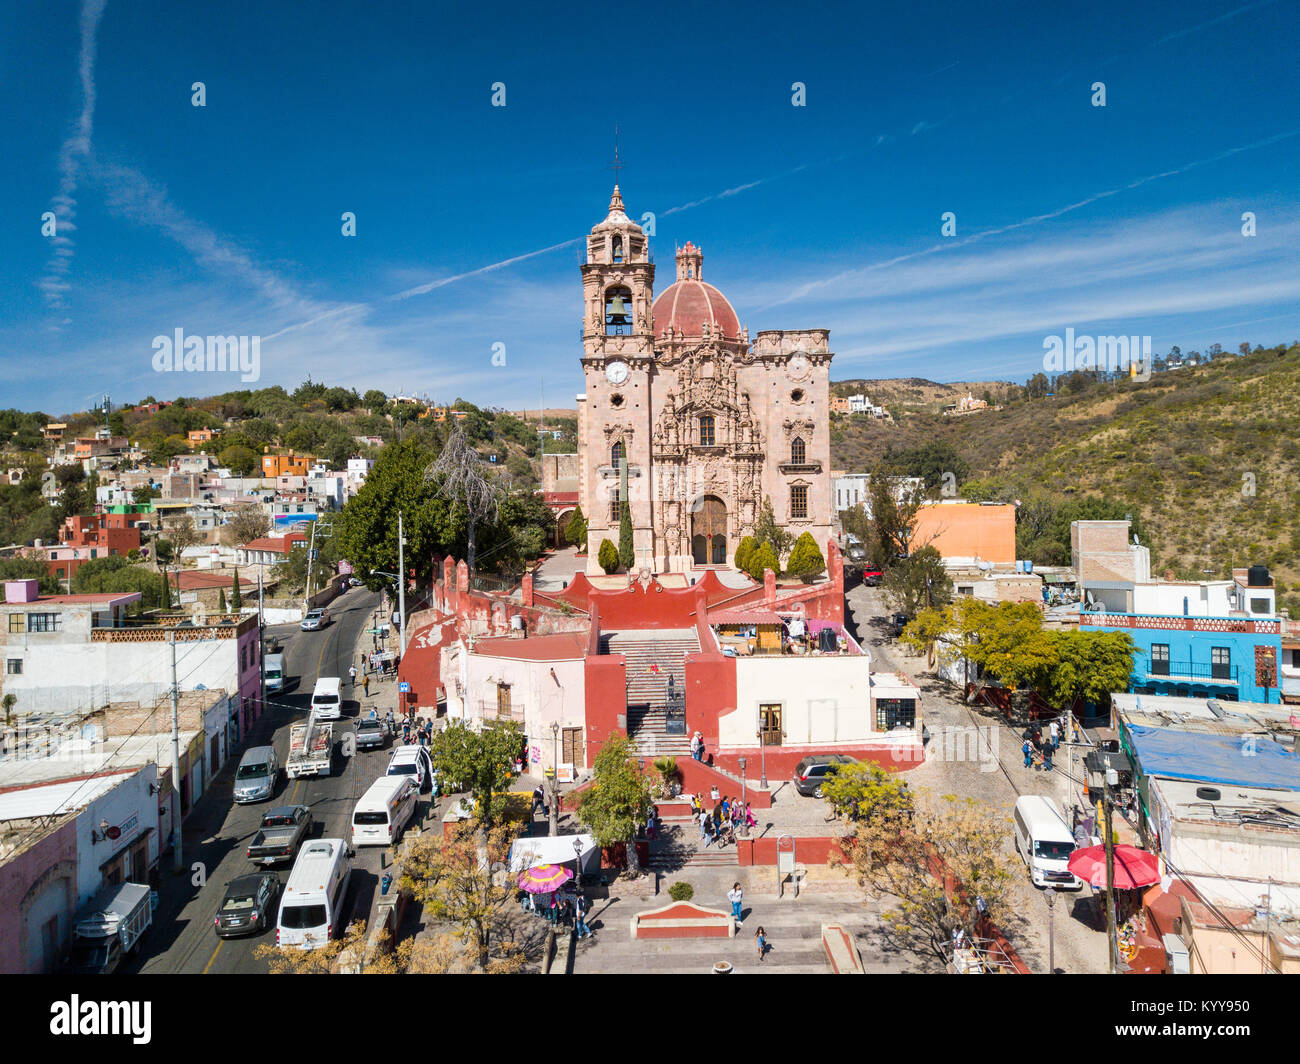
x=460, y=475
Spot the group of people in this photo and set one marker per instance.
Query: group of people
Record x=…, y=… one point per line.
x=564, y=908
x=1039, y=747
x=728, y=819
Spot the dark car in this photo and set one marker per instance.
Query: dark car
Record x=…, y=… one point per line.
x=899, y=621
x=872, y=577
x=248, y=906
x=812, y=772
x=372, y=734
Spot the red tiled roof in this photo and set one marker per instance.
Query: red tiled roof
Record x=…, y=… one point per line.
x=557, y=647
x=743, y=616
x=106, y=597
x=560, y=498
x=276, y=544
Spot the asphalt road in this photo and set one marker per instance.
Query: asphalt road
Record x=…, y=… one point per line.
x=216, y=838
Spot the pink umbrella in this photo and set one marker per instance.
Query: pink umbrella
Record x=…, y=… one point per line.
x=543, y=879
x=1133, y=867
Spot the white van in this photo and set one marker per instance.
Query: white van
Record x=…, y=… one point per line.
x=313, y=897
x=274, y=672
x=326, y=700
x=382, y=812
x=1045, y=843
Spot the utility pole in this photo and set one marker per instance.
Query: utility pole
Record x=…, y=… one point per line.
x=555, y=779
x=261, y=650
x=401, y=583
x=1051, y=930
x=178, y=863
x=311, y=553
x=1112, y=945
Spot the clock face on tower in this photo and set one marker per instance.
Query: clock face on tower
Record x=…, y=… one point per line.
x=616, y=372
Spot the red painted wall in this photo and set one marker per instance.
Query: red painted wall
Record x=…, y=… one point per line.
x=781, y=760
x=698, y=778
x=807, y=851
x=616, y=856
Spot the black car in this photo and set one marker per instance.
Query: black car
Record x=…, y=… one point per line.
x=899, y=621
x=811, y=772
x=248, y=906
x=372, y=734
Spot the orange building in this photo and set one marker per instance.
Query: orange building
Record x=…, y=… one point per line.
x=840, y=404
x=202, y=435
x=285, y=465
x=968, y=531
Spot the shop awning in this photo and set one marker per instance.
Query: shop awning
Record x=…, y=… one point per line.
x=547, y=849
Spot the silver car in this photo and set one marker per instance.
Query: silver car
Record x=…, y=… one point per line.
x=315, y=619
x=256, y=775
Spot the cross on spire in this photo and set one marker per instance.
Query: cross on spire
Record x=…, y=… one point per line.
x=617, y=164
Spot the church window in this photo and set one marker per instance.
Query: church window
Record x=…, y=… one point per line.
x=706, y=430
x=797, y=451
x=615, y=400
x=799, y=501
x=616, y=454
x=796, y=396
x=615, y=506
x=618, y=249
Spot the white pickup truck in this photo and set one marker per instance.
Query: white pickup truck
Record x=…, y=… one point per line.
x=311, y=749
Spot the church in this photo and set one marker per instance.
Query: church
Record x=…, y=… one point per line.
x=686, y=418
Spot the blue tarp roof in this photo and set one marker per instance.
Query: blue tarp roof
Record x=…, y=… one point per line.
x=1183, y=755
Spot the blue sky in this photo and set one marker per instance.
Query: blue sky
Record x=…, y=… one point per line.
x=226, y=219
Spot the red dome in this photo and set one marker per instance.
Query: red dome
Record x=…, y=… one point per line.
x=687, y=305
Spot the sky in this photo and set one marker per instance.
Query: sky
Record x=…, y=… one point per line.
x=226, y=219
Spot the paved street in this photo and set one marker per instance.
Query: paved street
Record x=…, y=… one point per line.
x=218, y=831
x=997, y=776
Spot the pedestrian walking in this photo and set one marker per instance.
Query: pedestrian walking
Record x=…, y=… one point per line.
x=352, y=674
x=749, y=817
x=710, y=832
x=760, y=940
x=697, y=747
x=737, y=818
x=1028, y=750
x=581, y=906
x=704, y=824
x=538, y=799
x=1054, y=731
x=1047, y=757
x=736, y=896
x=365, y=684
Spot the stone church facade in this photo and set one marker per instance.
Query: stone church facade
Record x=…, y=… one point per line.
x=686, y=417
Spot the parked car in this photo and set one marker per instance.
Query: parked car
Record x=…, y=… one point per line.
x=373, y=734
x=248, y=905
x=899, y=621
x=282, y=831
x=256, y=776
x=812, y=772
x=872, y=577
x=412, y=761
x=315, y=620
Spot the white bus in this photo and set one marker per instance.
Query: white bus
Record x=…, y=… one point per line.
x=310, y=908
x=1045, y=843
x=382, y=812
x=326, y=700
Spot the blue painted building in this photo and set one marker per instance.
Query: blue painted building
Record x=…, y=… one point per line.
x=1232, y=658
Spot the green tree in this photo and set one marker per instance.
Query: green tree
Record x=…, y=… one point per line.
x=221, y=603
x=766, y=530
x=806, y=559
x=741, y=558
x=607, y=556
x=482, y=763
x=618, y=799
x=236, y=596
x=144, y=493
x=626, y=548
x=918, y=580
x=760, y=559
x=242, y=461
x=864, y=790
x=894, y=506
x=1088, y=667
x=1013, y=648
x=31, y=569
x=575, y=532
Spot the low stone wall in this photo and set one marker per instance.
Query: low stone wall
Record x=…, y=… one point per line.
x=683, y=919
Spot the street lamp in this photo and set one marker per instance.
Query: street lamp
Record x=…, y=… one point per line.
x=577, y=861
x=762, y=751
x=744, y=827
x=1051, y=930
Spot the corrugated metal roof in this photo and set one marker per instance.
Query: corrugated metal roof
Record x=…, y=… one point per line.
x=56, y=798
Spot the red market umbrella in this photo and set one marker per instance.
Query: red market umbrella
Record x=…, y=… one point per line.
x=543, y=879
x=1133, y=867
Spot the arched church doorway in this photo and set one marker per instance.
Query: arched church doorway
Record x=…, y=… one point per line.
x=709, y=531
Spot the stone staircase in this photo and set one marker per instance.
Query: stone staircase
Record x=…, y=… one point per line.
x=678, y=848
x=652, y=657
